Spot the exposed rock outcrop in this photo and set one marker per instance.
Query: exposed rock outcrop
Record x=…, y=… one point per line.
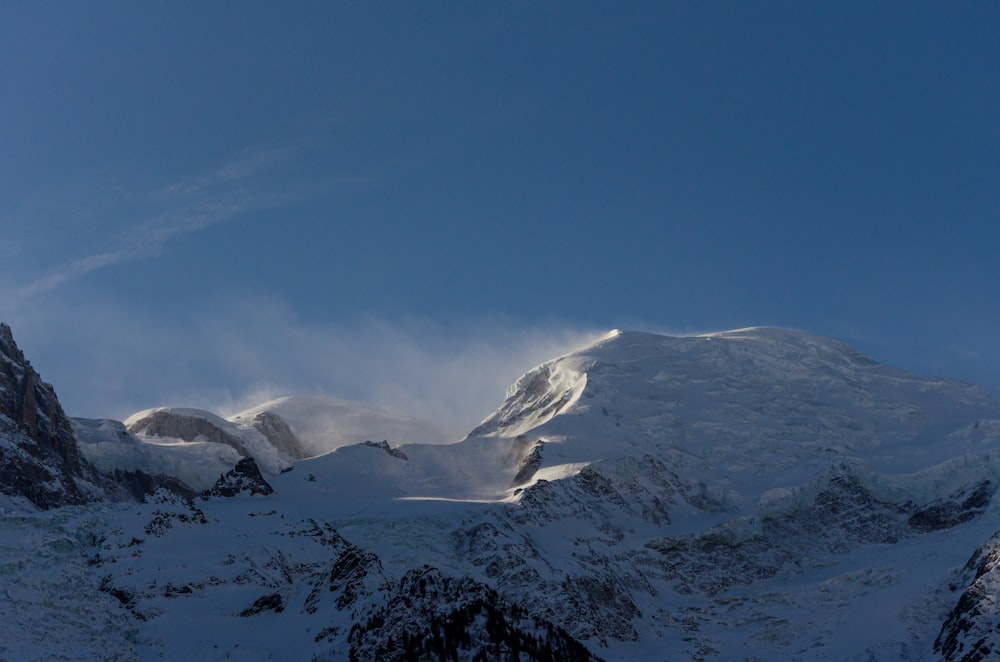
x=276, y=430
x=430, y=616
x=169, y=423
x=972, y=630
x=384, y=446
x=139, y=484
x=964, y=505
x=244, y=478
x=527, y=456
x=33, y=406
x=39, y=458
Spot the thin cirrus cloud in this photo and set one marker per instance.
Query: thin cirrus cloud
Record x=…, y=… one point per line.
x=140, y=242
x=240, y=186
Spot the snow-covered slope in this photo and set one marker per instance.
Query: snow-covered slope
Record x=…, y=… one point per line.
x=196, y=446
x=183, y=427
x=754, y=494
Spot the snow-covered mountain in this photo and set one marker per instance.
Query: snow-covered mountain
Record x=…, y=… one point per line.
x=752, y=494
x=196, y=445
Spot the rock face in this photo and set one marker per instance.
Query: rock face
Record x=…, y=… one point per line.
x=972, y=630
x=139, y=484
x=244, y=478
x=384, y=445
x=276, y=430
x=429, y=616
x=39, y=458
x=266, y=439
x=32, y=405
x=167, y=423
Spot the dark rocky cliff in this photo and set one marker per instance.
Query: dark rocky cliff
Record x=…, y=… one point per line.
x=39, y=458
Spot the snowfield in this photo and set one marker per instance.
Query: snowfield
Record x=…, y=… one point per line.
x=747, y=495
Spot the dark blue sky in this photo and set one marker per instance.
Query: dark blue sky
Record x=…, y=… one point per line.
x=489, y=173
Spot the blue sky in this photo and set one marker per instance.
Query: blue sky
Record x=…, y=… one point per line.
x=412, y=203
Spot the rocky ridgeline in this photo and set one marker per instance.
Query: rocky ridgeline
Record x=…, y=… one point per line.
x=971, y=632
x=244, y=478
x=39, y=458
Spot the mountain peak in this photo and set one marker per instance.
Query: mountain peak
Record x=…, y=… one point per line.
x=797, y=390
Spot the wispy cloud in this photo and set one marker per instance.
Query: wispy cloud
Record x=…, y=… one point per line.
x=242, y=185
x=67, y=272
